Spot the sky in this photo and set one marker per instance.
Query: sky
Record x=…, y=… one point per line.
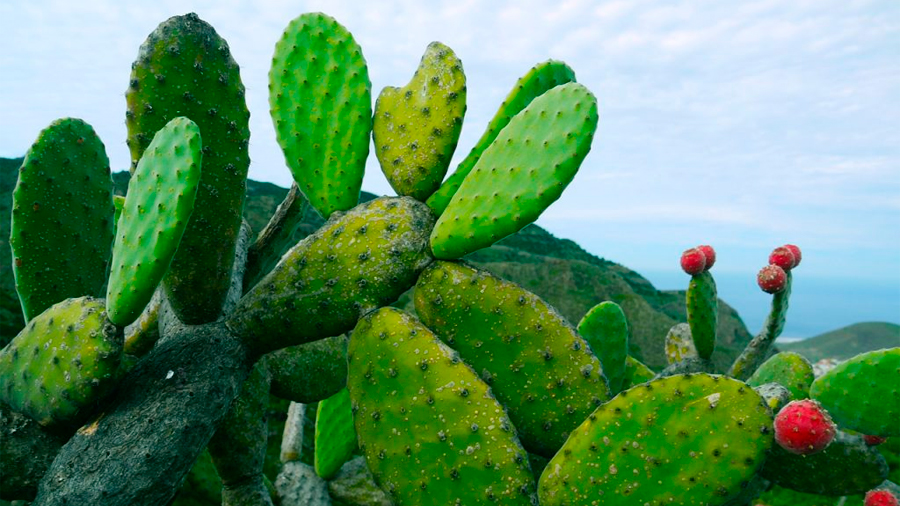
x=741, y=124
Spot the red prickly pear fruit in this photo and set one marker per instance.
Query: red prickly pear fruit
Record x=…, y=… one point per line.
x=783, y=257
x=796, y=251
x=804, y=427
x=880, y=498
x=771, y=279
x=709, y=253
x=874, y=440
x=693, y=261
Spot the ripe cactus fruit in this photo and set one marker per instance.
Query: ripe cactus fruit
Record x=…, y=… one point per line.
x=157, y=210
x=783, y=257
x=521, y=173
x=542, y=77
x=880, y=498
x=320, y=100
x=709, y=254
x=877, y=374
x=685, y=439
x=62, y=217
x=693, y=261
x=803, y=427
x=335, y=435
x=62, y=364
x=416, y=128
x=874, y=440
x=679, y=344
x=772, y=279
x=605, y=329
x=702, y=302
x=537, y=365
x=429, y=427
x=184, y=68
x=796, y=252
x=789, y=369
x=356, y=262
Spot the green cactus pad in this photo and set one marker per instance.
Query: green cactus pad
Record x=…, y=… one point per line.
x=681, y=440
x=158, y=206
x=679, y=344
x=416, y=127
x=605, y=329
x=430, y=430
x=185, y=68
x=635, y=373
x=335, y=435
x=863, y=393
x=118, y=203
x=521, y=173
x=789, y=369
x=847, y=466
x=62, y=364
x=703, y=313
x=542, y=77
x=320, y=99
x=311, y=372
x=538, y=366
x=62, y=217
x=355, y=263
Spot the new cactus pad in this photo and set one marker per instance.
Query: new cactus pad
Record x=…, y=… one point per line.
x=62, y=217
x=681, y=440
x=635, y=373
x=605, y=329
x=335, y=434
x=321, y=104
x=537, y=365
x=157, y=210
x=863, y=393
x=430, y=430
x=416, y=127
x=62, y=364
x=788, y=369
x=521, y=173
x=185, y=68
x=356, y=262
x=703, y=313
x=542, y=77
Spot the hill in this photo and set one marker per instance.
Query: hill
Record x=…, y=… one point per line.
x=558, y=270
x=846, y=342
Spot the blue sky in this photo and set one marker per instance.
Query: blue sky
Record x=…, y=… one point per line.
x=742, y=124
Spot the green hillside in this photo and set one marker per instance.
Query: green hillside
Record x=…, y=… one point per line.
x=848, y=341
x=558, y=270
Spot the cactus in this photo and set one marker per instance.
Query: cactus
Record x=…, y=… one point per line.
x=679, y=344
x=335, y=435
x=703, y=313
x=787, y=368
x=605, y=329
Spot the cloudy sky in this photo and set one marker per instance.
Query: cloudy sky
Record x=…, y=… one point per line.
x=743, y=124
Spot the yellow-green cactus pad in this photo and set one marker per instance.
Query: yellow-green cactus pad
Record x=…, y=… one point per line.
x=680, y=440
x=430, y=430
x=335, y=435
x=542, y=77
x=538, y=366
x=679, y=344
x=416, y=127
x=157, y=209
x=62, y=217
x=863, y=393
x=62, y=364
x=521, y=173
x=788, y=369
x=320, y=98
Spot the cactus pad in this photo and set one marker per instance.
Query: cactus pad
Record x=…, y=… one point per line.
x=157, y=209
x=430, y=430
x=62, y=363
x=605, y=329
x=703, y=313
x=335, y=435
x=636, y=372
x=538, y=366
x=863, y=393
x=320, y=99
x=416, y=127
x=679, y=344
x=681, y=440
x=311, y=372
x=542, y=77
x=185, y=68
x=356, y=262
x=62, y=217
x=788, y=369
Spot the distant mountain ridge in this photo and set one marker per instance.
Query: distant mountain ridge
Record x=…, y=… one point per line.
x=558, y=270
x=848, y=341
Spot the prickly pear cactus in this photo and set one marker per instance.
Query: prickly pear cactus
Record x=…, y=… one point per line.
x=184, y=68
x=416, y=127
x=703, y=313
x=605, y=329
x=335, y=435
x=635, y=373
x=679, y=344
x=788, y=369
x=681, y=440
x=62, y=364
x=320, y=99
x=62, y=217
x=430, y=430
x=157, y=209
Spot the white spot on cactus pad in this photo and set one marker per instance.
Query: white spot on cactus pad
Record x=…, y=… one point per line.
x=713, y=399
